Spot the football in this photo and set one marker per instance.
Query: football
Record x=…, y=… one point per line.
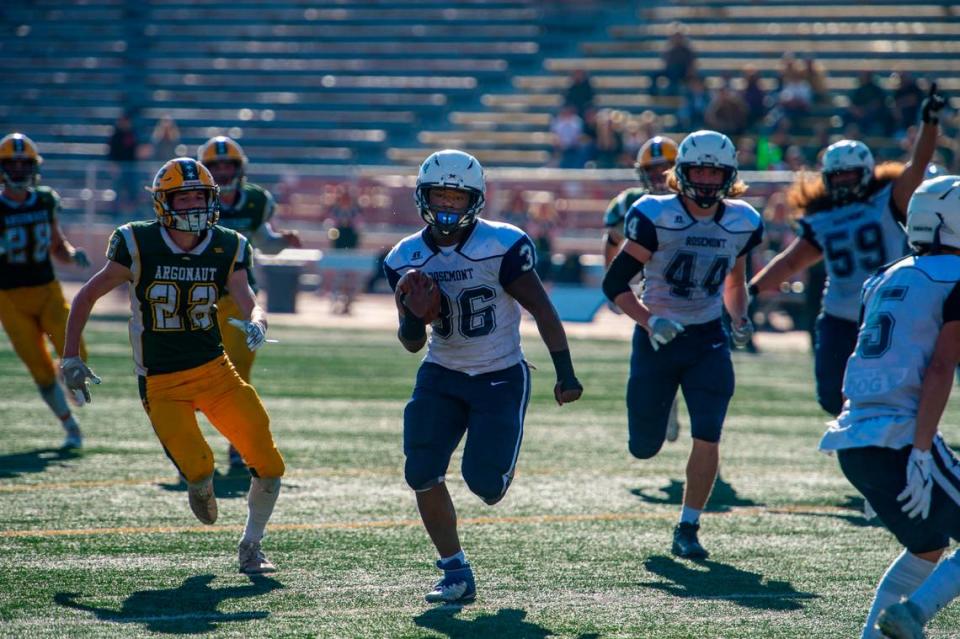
x=419, y=293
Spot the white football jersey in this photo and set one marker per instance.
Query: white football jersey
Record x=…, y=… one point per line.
x=856, y=239
x=478, y=330
x=904, y=308
x=683, y=280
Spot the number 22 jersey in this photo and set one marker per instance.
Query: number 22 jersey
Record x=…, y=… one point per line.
x=683, y=280
x=25, y=231
x=478, y=330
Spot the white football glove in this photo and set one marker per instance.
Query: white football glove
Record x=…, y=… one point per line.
x=741, y=334
x=256, y=332
x=919, y=484
x=80, y=258
x=662, y=330
x=75, y=375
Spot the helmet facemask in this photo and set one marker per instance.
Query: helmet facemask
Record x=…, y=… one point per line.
x=227, y=185
x=653, y=177
x=846, y=184
x=189, y=220
x=19, y=173
x=705, y=194
x=448, y=220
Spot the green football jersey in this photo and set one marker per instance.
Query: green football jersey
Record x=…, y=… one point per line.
x=174, y=293
x=617, y=209
x=253, y=207
x=25, y=232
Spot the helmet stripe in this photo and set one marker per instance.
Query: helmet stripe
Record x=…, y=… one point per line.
x=221, y=147
x=188, y=169
x=18, y=145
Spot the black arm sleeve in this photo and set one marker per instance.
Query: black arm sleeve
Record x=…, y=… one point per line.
x=951, y=307
x=805, y=230
x=623, y=268
x=755, y=238
x=392, y=276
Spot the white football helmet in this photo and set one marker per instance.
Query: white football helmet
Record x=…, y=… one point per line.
x=450, y=169
x=933, y=215
x=847, y=155
x=706, y=149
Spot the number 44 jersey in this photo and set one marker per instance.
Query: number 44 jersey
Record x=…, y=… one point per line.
x=174, y=293
x=478, y=330
x=683, y=280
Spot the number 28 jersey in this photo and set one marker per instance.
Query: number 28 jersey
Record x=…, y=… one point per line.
x=174, y=293
x=683, y=280
x=25, y=230
x=856, y=239
x=478, y=330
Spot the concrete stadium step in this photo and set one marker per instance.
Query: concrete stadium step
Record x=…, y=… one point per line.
x=473, y=139
x=316, y=99
x=399, y=84
x=805, y=29
x=300, y=32
x=736, y=64
x=824, y=49
x=488, y=157
x=297, y=50
x=483, y=119
x=169, y=15
x=471, y=66
x=807, y=12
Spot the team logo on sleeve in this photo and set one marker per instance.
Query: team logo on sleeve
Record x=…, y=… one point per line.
x=113, y=247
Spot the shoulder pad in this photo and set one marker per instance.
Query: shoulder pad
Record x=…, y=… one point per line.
x=740, y=217
x=410, y=252
x=490, y=239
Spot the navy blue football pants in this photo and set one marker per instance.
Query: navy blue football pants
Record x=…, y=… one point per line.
x=836, y=339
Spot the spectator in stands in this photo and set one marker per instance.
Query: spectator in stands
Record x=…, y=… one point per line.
x=679, y=63
x=516, y=210
x=869, y=109
x=816, y=75
x=796, y=94
x=567, y=129
x=166, y=140
x=344, y=220
x=727, y=112
x=542, y=228
x=907, y=97
x=122, y=152
x=608, y=145
x=693, y=104
x=754, y=96
x=580, y=92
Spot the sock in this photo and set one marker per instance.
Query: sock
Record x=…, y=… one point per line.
x=57, y=401
x=446, y=561
x=260, y=501
x=940, y=588
x=689, y=515
x=903, y=576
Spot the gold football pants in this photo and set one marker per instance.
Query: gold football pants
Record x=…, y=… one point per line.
x=234, y=341
x=27, y=314
x=232, y=406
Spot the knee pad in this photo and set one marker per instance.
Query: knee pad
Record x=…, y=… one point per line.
x=422, y=473
x=644, y=448
x=487, y=483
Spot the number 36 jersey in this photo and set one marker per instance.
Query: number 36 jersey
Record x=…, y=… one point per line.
x=478, y=330
x=683, y=280
x=174, y=293
x=25, y=230
x=904, y=309
x=856, y=239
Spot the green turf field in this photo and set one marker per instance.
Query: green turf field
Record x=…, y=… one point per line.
x=103, y=544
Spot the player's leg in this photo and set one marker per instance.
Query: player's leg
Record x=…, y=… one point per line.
x=835, y=340
x=878, y=473
x=20, y=315
x=651, y=392
x=498, y=406
x=172, y=414
x=707, y=383
x=235, y=409
x=434, y=421
x=235, y=345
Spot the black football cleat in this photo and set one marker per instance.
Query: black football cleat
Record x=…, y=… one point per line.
x=685, y=542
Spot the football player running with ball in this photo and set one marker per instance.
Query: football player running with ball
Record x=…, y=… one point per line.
x=177, y=268
x=691, y=247
x=468, y=278
x=31, y=301
x=897, y=384
x=654, y=159
x=246, y=208
x=852, y=217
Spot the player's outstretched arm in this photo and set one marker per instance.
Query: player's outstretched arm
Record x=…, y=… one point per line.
x=528, y=290
x=937, y=382
x=612, y=239
x=108, y=278
x=923, y=149
x=255, y=324
x=270, y=241
x=616, y=282
x=61, y=249
x=801, y=254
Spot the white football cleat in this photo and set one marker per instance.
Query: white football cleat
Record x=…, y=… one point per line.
x=901, y=621
x=252, y=560
x=73, y=439
x=673, y=423
x=203, y=502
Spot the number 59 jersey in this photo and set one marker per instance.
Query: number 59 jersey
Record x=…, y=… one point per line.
x=478, y=330
x=856, y=239
x=683, y=280
x=174, y=293
x=25, y=232
x=904, y=309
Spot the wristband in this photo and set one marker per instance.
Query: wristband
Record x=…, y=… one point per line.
x=412, y=328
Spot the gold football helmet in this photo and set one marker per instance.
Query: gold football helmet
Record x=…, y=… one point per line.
x=224, y=149
x=179, y=175
x=654, y=159
x=19, y=161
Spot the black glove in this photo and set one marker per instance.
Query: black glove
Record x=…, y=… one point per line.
x=932, y=105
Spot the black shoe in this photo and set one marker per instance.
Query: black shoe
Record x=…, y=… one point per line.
x=685, y=542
